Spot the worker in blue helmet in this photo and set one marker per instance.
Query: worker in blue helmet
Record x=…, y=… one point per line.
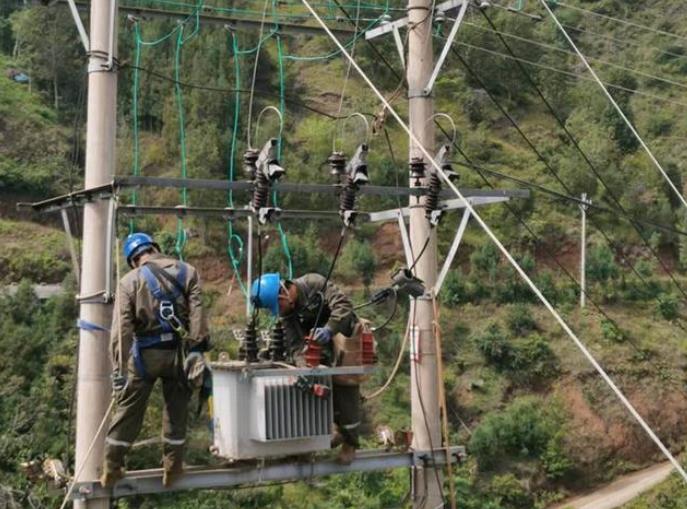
x=312, y=304
x=158, y=331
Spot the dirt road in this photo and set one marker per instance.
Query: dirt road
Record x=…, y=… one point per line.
x=621, y=491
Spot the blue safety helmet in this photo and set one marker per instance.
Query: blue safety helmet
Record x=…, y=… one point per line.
x=135, y=243
x=264, y=292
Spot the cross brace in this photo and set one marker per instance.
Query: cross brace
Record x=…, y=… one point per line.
x=145, y=482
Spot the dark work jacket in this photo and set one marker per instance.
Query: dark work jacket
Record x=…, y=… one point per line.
x=337, y=311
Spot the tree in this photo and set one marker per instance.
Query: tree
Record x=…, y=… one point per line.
x=48, y=48
x=358, y=262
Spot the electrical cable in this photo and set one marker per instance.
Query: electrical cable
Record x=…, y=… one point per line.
x=422, y=251
x=232, y=236
x=282, y=110
x=556, y=195
x=572, y=53
x=573, y=140
x=255, y=73
x=567, y=189
x=329, y=275
x=571, y=74
x=88, y=454
x=290, y=100
x=346, y=77
x=374, y=49
x=623, y=41
x=588, y=355
x=606, y=37
x=621, y=21
x=414, y=369
x=394, y=370
x=391, y=316
x=627, y=121
x=554, y=258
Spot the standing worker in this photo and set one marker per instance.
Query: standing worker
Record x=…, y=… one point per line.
x=158, y=331
x=312, y=304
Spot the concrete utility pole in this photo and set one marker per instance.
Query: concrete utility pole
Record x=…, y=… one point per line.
x=96, y=308
x=583, y=252
x=427, y=492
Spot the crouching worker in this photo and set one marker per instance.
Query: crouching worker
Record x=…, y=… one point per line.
x=311, y=304
x=158, y=331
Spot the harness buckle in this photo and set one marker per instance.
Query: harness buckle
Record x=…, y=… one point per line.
x=167, y=314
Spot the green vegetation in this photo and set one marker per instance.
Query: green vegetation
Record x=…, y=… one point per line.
x=509, y=371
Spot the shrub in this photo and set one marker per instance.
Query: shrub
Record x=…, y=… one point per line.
x=611, y=331
x=358, y=262
x=668, y=306
x=556, y=462
x=509, y=490
x=495, y=347
x=534, y=360
x=522, y=430
x=601, y=266
x=306, y=256
x=520, y=320
x=455, y=289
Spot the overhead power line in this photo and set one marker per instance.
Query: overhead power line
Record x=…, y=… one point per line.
x=622, y=21
x=556, y=176
x=588, y=355
x=630, y=70
x=571, y=74
x=620, y=111
x=627, y=42
x=185, y=84
x=585, y=157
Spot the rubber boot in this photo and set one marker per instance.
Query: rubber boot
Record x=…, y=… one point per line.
x=111, y=476
x=337, y=439
x=346, y=454
x=171, y=474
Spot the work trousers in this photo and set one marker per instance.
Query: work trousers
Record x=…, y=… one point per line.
x=347, y=412
x=131, y=405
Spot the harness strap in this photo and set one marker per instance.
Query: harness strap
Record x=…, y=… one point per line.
x=143, y=342
x=163, y=296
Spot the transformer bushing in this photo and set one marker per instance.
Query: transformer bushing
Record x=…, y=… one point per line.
x=248, y=351
x=277, y=346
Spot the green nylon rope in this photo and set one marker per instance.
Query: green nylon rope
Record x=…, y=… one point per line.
x=233, y=238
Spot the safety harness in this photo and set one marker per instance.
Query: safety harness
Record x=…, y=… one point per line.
x=172, y=327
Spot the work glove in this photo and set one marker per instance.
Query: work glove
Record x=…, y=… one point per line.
x=194, y=367
x=119, y=382
x=322, y=335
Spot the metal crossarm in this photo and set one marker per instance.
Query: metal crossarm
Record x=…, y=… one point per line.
x=145, y=482
x=106, y=191
x=211, y=19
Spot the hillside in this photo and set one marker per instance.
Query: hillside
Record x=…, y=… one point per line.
x=538, y=421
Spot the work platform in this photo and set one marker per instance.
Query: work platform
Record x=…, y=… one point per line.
x=256, y=473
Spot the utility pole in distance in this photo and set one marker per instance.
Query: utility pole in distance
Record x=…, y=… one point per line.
x=95, y=305
x=427, y=481
x=583, y=251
